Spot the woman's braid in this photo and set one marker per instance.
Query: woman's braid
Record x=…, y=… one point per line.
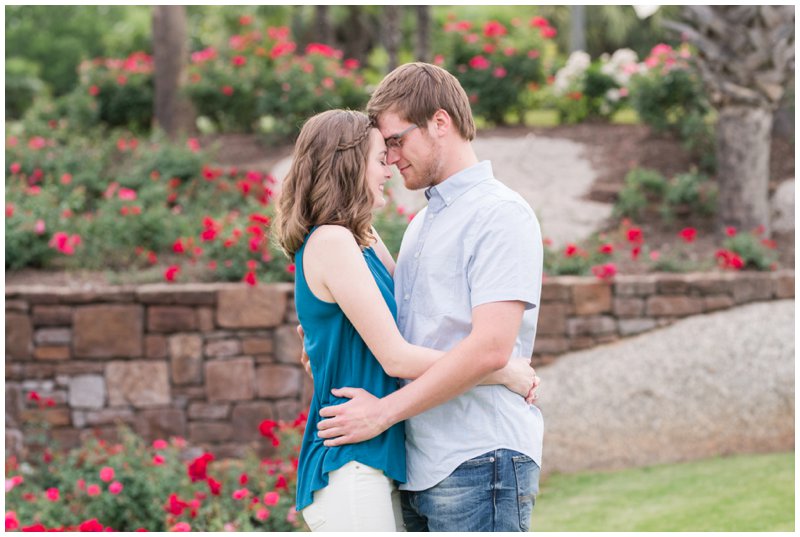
x=344, y=146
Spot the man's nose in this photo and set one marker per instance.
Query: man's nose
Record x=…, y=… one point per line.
x=392, y=155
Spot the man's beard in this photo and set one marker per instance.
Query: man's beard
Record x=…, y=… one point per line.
x=427, y=173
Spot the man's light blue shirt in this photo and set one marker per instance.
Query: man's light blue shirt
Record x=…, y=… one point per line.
x=476, y=242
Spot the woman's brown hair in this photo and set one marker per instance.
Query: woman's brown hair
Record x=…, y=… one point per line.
x=326, y=183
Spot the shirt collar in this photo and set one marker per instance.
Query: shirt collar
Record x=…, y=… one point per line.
x=454, y=186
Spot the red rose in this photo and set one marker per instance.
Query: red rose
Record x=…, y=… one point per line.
x=688, y=234
x=171, y=273
x=198, y=467
x=635, y=235
x=214, y=486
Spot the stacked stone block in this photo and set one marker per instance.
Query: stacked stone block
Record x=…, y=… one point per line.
x=577, y=313
x=209, y=362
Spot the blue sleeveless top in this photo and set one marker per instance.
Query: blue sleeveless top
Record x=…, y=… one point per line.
x=340, y=358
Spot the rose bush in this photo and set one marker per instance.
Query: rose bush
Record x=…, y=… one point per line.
x=128, y=206
x=605, y=254
x=260, y=81
x=122, y=89
x=647, y=193
x=133, y=486
x=117, y=201
x=584, y=89
x=668, y=94
x=496, y=63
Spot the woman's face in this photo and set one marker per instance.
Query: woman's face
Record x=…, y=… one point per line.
x=378, y=171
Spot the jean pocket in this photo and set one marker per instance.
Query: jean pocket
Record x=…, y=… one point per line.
x=526, y=473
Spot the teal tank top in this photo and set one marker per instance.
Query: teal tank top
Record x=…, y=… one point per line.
x=340, y=358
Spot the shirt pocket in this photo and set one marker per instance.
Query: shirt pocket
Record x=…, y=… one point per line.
x=438, y=289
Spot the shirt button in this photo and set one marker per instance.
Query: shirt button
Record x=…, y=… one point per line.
x=407, y=297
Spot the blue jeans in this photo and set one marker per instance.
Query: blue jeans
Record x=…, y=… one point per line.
x=495, y=491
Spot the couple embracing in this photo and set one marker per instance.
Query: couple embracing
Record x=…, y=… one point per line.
x=422, y=416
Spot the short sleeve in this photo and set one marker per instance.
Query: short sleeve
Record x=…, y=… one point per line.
x=506, y=259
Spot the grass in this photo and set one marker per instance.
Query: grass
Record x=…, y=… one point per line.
x=741, y=493
x=544, y=117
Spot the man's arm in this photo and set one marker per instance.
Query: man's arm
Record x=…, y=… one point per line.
x=518, y=375
x=486, y=349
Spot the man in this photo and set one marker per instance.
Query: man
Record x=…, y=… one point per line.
x=467, y=281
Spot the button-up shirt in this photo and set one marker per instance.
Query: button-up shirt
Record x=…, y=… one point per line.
x=476, y=242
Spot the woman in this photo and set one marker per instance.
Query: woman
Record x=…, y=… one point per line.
x=345, y=303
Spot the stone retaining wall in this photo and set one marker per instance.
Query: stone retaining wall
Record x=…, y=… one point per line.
x=579, y=313
x=211, y=361
x=207, y=362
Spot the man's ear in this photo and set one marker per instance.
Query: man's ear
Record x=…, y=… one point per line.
x=442, y=122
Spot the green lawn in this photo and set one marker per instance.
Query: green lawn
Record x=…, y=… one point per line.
x=541, y=117
x=741, y=493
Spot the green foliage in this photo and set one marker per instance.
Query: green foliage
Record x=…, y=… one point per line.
x=111, y=93
x=646, y=191
x=497, y=64
x=123, y=89
x=665, y=98
x=741, y=493
x=610, y=27
x=755, y=251
x=592, y=90
x=673, y=264
x=642, y=187
x=580, y=259
x=257, y=82
x=391, y=223
x=591, y=103
x=698, y=135
x=630, y=202
x=25, y=246
x=677, y=259
x=309, y=85
x=23, y=84
x=58, y=38
x=110, y=200
x=690, y=194
x=670, y=97
x=112, y=193
x=158, y=487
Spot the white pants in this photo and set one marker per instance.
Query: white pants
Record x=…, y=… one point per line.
x=357, y=498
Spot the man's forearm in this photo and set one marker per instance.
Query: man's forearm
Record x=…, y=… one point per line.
x=463, y=367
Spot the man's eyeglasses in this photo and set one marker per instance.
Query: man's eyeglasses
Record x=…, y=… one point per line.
x=395, y=141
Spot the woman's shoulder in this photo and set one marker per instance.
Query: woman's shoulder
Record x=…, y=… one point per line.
x=333, y=232
x=331, y=236
x=330, y=239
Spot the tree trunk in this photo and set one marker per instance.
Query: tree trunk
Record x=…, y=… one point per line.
x=423, y=47
x=172, y=111
x=323, y=23
x=391, y=34
x=357, y=35
x=577, y=28
x=743, y=147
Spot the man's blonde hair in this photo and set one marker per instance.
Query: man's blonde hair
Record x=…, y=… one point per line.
x=327, y=183
x=415, y=91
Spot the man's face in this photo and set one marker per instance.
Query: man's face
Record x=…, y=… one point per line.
x=412, y=149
